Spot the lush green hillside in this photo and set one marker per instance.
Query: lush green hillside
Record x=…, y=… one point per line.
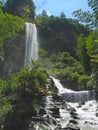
x=57, y=34
x=9, y=27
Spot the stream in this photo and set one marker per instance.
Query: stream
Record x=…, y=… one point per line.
x=68, y=110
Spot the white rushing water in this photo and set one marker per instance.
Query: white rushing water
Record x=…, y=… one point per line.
x=86, y=111
x=31, y=43
x=73, y=96
x=59, y=112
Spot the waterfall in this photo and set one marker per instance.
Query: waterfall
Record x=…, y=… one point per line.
x=68, y=109
x=31, y=43
x=73, y=96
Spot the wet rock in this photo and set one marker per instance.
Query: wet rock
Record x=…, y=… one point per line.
x=97, y=114
x=71, y=109
x=42, y=111
x=71, y=127
x=74, y=116
x=85, y=109
x=57, y=98
x=31, y=124
x=48, y=119
x=86, y=122
x=54, y=122
x=74, y=113
x=58, y=128
x=55, y=112
x=73, y=121
x=64, y=104
x=53, y=86
x=80, y=104
x=37, y=118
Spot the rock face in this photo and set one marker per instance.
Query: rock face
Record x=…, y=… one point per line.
x=14, y=55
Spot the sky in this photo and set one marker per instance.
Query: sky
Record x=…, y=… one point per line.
x=55, y=7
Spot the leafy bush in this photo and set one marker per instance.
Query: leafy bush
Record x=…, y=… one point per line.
x=21, y=93
x=9, y=25
x=5, y=106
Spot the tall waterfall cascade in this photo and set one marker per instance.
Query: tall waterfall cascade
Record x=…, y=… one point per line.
x=31, y=43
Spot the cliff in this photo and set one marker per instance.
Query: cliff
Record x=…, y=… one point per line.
x=13, y=54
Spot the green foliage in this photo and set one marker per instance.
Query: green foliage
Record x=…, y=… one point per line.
x=88, y=46
x=87, y=53
x=31, y=80
x=64, y=58
x=42, y=53
x=56, y=33
x=83, y=79
x=22, y=8
x=5, y=106
x=1, y=3
x=82, y=53
x=94, y=62
x=9, y=27
x=86, y=16
x=63, y=65
x=26, y=87
x=94, y=59
x=44, y=14
x=26, y=12
x=94, y=6
x=62, y=15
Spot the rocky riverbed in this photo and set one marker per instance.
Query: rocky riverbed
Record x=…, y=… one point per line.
x=67, y=110
x=61, y=115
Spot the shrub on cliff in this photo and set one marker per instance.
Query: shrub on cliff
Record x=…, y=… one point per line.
x=21, y=95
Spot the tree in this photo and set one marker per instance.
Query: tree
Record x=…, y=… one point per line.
x=83, y=55
x=2, y=2
x=9, y=26
x=90, y=43
x=44, y=13
x=22, y=8
x=86, y=16
x=62, y=15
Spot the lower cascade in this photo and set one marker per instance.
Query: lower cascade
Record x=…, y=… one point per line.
x=68, y=110
x=31, y=43
x=73, y=96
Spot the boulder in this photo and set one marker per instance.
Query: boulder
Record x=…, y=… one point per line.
x=73, y=121
x=71, y=126
x=42, y=111
x=55, y=112
x=71, y=109
x=97, y=114
x=74, y=116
